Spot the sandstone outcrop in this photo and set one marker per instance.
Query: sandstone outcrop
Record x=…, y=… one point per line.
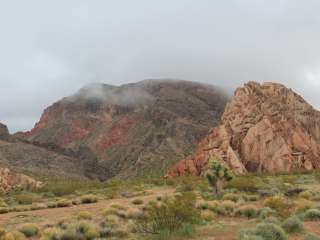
x=10, y=180
x=265, y=128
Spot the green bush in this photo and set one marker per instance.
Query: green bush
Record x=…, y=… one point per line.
x=269, y=231
x=169, y=216
x=89, y=199
x=312, y=215
x=249, y=211
x=29, y=230
x=293, y=225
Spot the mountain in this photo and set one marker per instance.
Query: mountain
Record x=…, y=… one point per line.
x=133, y=129
x=264, y=128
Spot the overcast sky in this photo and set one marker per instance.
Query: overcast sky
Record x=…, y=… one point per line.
x=49, y=49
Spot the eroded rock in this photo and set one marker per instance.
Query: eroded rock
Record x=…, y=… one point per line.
x=265, y=128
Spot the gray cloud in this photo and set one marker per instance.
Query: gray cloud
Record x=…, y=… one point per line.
x=50, y=49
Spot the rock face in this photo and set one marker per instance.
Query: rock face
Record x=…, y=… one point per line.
x=265, y=128
x=10, y=180
x=133, y=129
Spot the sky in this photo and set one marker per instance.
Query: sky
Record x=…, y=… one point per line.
x=50, y=49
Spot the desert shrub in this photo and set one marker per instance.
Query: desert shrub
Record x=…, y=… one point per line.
x=228, y=205
x=89, y=199
x=4, y=210
x=282, y=205
x=137, y=201
x=302, y=205
x=84, y=215
x=51, y=233
x=272, y=219
x=122, y=214
x=312, y=215
x=244, y=183
x=80, y=230
x=26, y=198
x=70, y=234
x=220, y=211
x=119, y=233
x=169, y=216
x=248, y=235
x=134, y=213
x=51, y=204
x=29, y=230
x=311, y=237
x=269, y=231
x=117, y=206
x=249, y=211
x=203, y=205
x=14, y=235
x=232, y=197
x=112, y=221
x=2, y=233
x=292, y=225
x=306, y=194
x=108, y=212
x=64, y=203
x=2, y=203
x=251, y=198
x=266, y=212
x=208, y=215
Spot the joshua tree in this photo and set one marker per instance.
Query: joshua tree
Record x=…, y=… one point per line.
x=217, y=175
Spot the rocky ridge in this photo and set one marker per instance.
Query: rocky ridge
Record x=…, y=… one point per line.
x=265, y=128
x=133, y=129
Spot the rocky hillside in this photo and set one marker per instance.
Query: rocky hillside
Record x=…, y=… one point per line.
x=133, y=129
x=37, y=161
x=265, y=128
x=10, y=180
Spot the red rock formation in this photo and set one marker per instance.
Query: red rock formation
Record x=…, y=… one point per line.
x=265, y=128
x=10, y=180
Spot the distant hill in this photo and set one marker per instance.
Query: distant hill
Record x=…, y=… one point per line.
x=265, y=128
x=133, y=129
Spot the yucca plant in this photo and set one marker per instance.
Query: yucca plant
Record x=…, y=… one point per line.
x=217, y=175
